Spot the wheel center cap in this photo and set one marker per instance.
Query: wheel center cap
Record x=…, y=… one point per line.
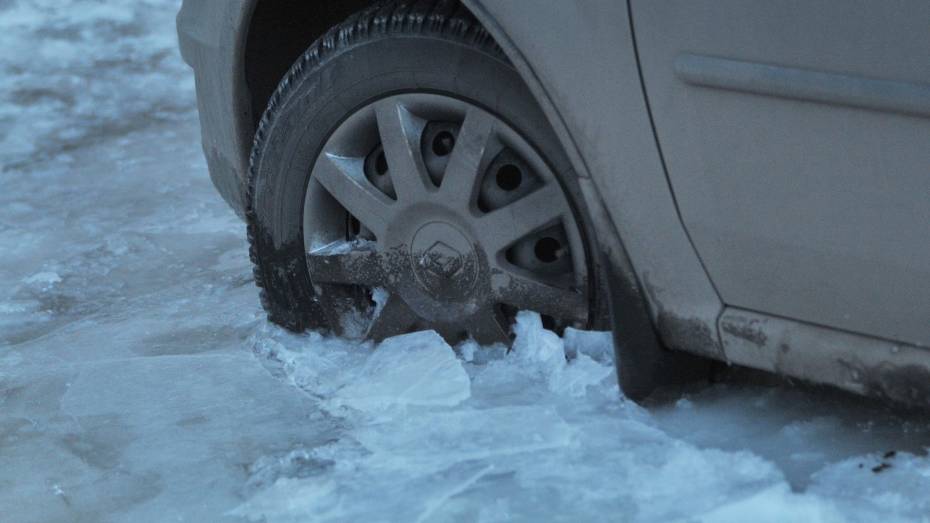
x=444, y=261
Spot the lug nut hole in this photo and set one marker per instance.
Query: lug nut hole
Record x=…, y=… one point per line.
x=381, y=166
x=509, y=177
x=443, y=143
x=547, y=249
x=355, y=226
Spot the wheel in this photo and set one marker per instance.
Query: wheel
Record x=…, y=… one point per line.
x=403, y=178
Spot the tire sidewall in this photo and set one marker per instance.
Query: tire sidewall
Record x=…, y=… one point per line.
x=315, y=100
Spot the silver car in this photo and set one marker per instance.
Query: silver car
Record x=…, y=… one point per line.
x=714, y=180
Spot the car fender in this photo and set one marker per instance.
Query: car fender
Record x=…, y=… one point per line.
x=580, y=62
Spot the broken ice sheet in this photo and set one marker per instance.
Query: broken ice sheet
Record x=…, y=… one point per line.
x=404, y=404
x=538, y=431
x=363, y=495
x=407, y=468
x=417, y=369
x=431, y=441
x=528, y=454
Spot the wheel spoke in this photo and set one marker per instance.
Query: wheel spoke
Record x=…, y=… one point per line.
x=358, y=267
x=400, y=133
x=472, y=151
x=345, y=180
x=487, y=328
x=529, y=214
x=395, y=318
x=527, y=294
x=410, y=177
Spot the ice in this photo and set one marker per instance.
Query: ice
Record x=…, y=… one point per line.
x=417, y=369
x=341, y=247
x=897, y=486
x=433, y=441
x=543, y=350
x=536, y=347
x=530, y=442
x=80, y=71
x=380, y=296
x=523, y=445
x=334, y=499
x=139, y=380
x=775, y=504
x=46, y=279
x=597, y=345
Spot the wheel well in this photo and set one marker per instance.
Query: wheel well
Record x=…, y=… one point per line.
x=279, y=32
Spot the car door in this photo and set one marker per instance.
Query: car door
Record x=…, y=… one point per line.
x=796, y=136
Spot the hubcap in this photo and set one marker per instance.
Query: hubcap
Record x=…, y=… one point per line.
x=448, y=212
x=444, y=261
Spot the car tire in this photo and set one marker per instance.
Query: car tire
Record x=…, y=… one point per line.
x=424, y=49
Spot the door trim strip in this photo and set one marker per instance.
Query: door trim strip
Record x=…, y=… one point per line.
x=804, y=84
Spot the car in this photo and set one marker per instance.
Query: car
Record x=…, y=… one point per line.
x=712, y=180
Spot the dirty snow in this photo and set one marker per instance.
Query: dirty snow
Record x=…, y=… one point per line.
x=140, y=382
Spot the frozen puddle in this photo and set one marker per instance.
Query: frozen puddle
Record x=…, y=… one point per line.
x=415, y=434
x=432, y=433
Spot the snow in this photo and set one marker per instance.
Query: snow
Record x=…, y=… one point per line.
x=139, y=380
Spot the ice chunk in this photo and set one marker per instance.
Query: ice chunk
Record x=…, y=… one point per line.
x=536, y=346
x=599, y=345
x=380, y=296
x=543, y=351
x=417, y=369
x=467, y=350
x=428, y=441
x=46, y=279
x=576, y=376
x=341, y=247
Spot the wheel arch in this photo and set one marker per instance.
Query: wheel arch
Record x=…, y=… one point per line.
x=277, y=33
x=656, y=277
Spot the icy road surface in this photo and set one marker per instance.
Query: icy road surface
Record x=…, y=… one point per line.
x=140, y=382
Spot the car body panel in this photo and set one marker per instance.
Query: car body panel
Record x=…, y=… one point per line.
x=212, y=38
x=797, y=139
x=856, y=363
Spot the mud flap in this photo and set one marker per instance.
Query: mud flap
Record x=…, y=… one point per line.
x=643, y=362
